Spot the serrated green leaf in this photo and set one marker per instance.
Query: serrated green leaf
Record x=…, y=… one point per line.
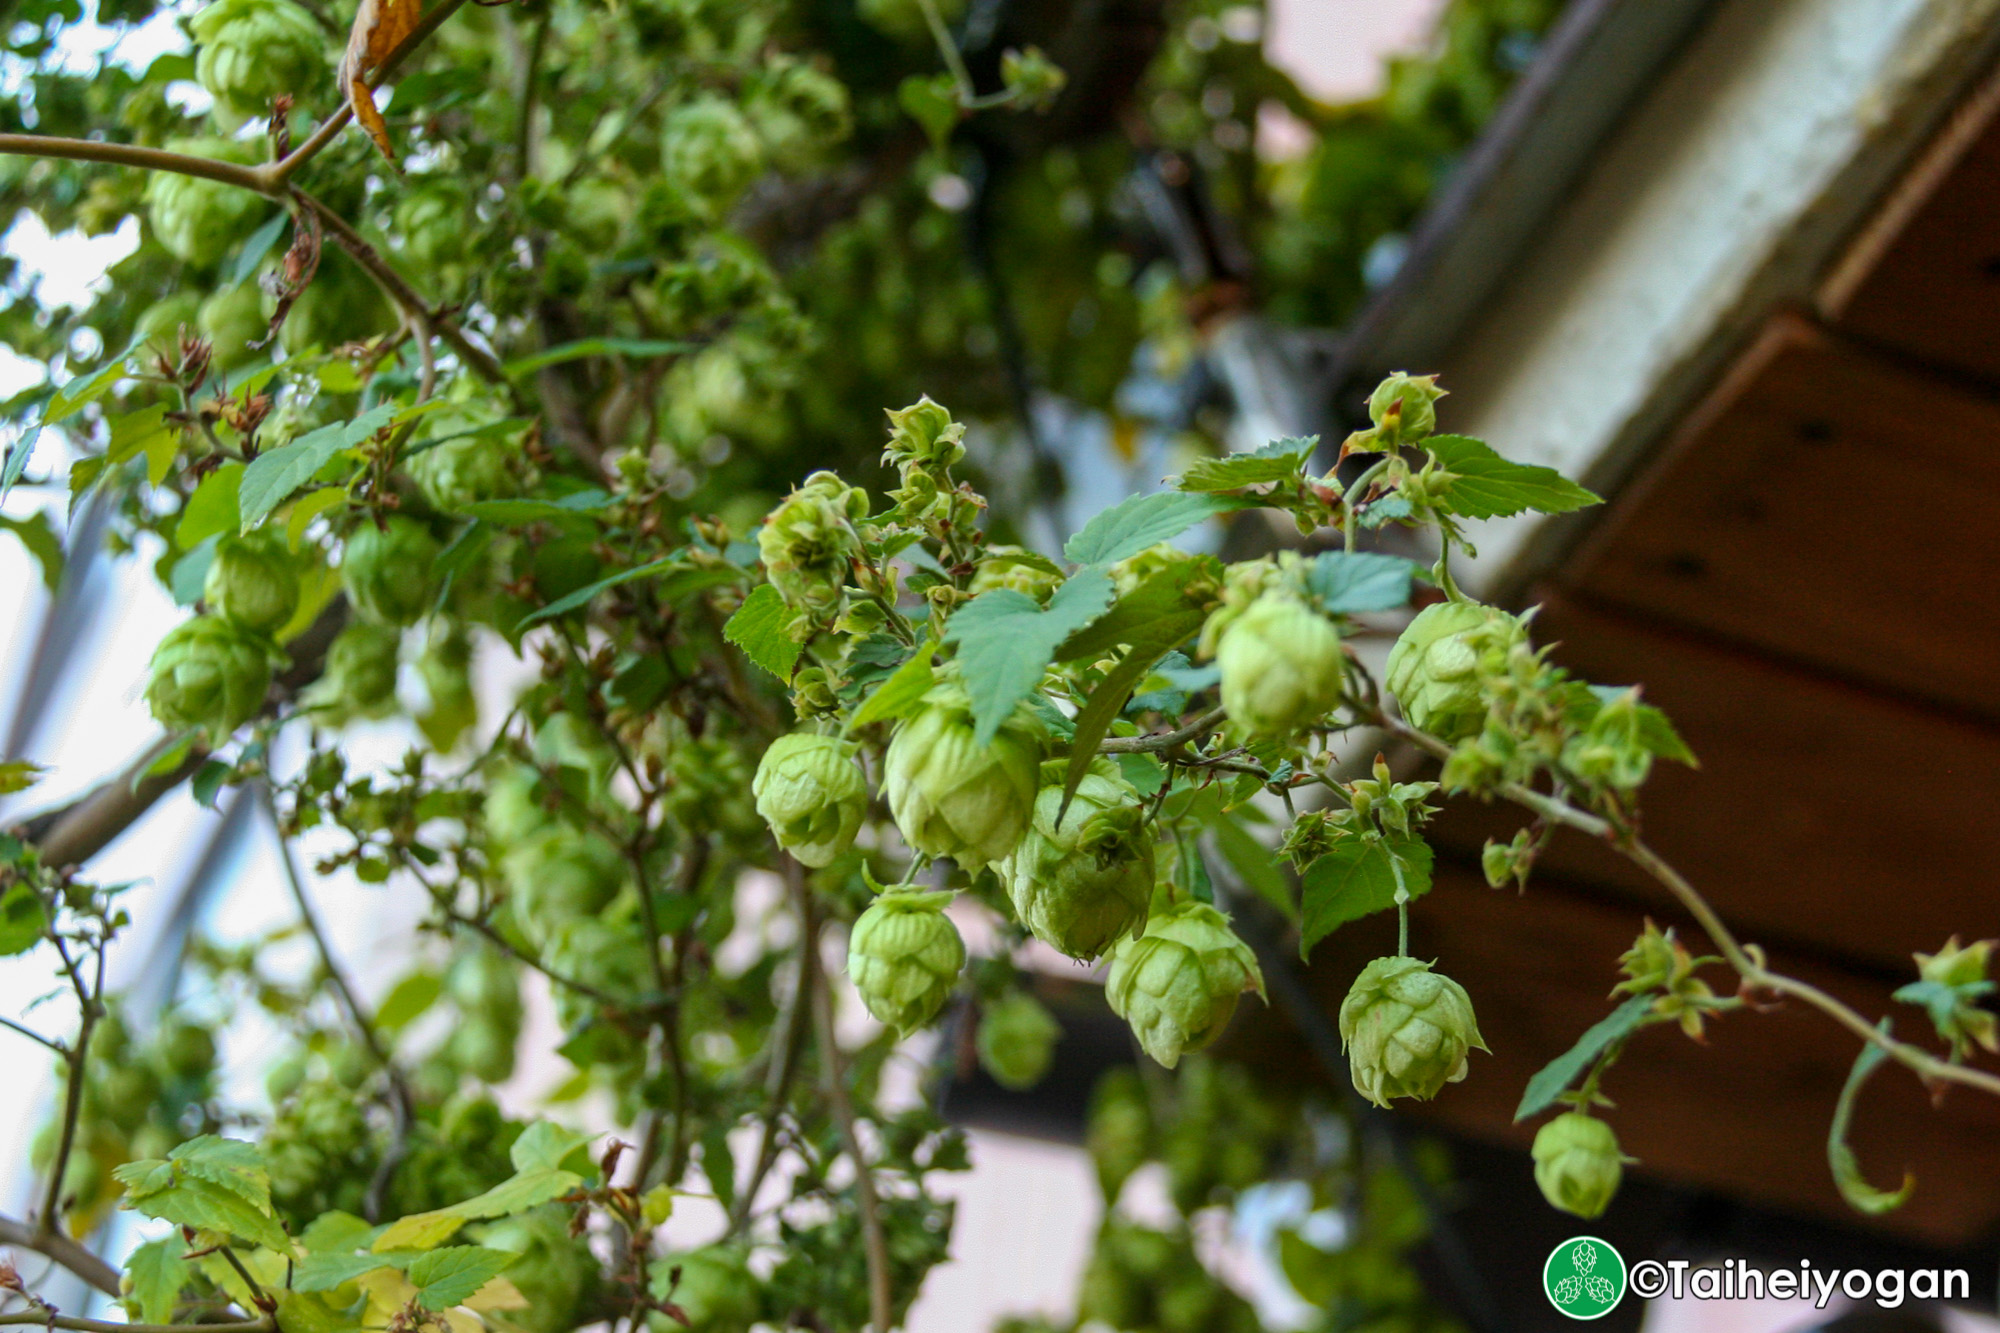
x=192, y=1201
x=334, y=1232
x=272, y=477
x=324, y=1271
x=545, y=1146
x=134, y=433
x=79, y=393
x=159, y=1270
x=22, y=920
x=448, y=1277
x=300, y=1312
x=1006, y=641
x=1281, y=460
x=898, y=695
x=758, y=628
x=1556, y=1076
x=1132, y=525
x=682, y=580
x=575, y=505
x=1349, y=583
x=1358, y=878
x=212, y=509
x=1485, y=485
x=38, y=535
x=422, y=1231
x=1854, y=1187
x=1130, y=619
x=15, y=461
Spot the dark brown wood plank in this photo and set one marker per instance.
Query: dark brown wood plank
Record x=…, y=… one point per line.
x=1746, y=1114
x=1823, y=815
x=1933, y=291
x=1832, y=509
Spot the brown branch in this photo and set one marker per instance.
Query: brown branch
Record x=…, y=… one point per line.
x=253, y=179
x=41, y=1319
x=834, y=1076
x=65, y=1251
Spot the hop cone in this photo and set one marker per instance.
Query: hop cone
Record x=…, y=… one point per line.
x=954, y=797
x=716, y=1293
x=360, y=677
x=1005, y=567
x=1407, y=1030
x=1017, y=1040
x=231, y=320
x=1177, y=984
x=1577, y=1164
x=252, y=584
x=1083, y=885
x=710, y=150
x=905, y=955
x=813, y=795
x=559, y=875
x=209, y=674
x=200, y=220
x=388, y=570
x=1433, y=671
x=253, y=50
x=808, y=545
x=1281, y=665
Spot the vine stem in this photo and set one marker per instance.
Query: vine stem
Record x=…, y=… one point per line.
x=960, y=75
x=1165, y=740
x=1746, y=959
x=65, y=1251
x=880, y=1304
x=90, y=1006
x=42, y=1319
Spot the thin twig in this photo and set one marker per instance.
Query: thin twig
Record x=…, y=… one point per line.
x=33, y=1035
x=65, y=1251
x=91, y=1007
x=43, y=1320
x=1165, y=740
x=834, y=1076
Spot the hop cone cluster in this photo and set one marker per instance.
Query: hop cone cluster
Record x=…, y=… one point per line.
x=1407, y=1030
x=387, y=569
x=1177, y=984
x=250, y=51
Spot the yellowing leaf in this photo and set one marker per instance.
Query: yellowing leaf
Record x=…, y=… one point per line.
x=379, y=28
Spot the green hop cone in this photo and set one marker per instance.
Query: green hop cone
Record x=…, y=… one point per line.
x=924, y=436
x=1407, y=1030
x=1612, y=750
x=1281, y=666
x=1404, y=407
x=232, y=320
x=1119, y=1130
x=1017, y=1040
x=483, y=986
x=360, y=676
x=250, y=51
x=209, y=674
x=808, y=544
x=559, y=875
x=905, y=956
x=953, y=797
x=800, y=111
x=812, y=793
x=1177, y=984
x=710, y=150
x=514, y=806
x=163, y=321
x=1434, y=669
x=1015, y=568
x=1085, y=884
x=716, y=1292
x=1953, y=985
x=252, y=583
x=201, y=220
x=431, y=218
x=1577, y=1163
x=455, y=468
x=555, y=1272
x=389, y=570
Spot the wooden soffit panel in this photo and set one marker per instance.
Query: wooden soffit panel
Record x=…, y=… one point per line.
x=1745, y=1114
x=1830, y=508
x=1823, y=815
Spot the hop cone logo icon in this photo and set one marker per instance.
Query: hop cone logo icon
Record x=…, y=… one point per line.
x=1584, y=1278
x=1584, y=1255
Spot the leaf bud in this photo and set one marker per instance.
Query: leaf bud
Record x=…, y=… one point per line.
x=905, y=955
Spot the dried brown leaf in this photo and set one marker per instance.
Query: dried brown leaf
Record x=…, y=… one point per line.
x=379, y=28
